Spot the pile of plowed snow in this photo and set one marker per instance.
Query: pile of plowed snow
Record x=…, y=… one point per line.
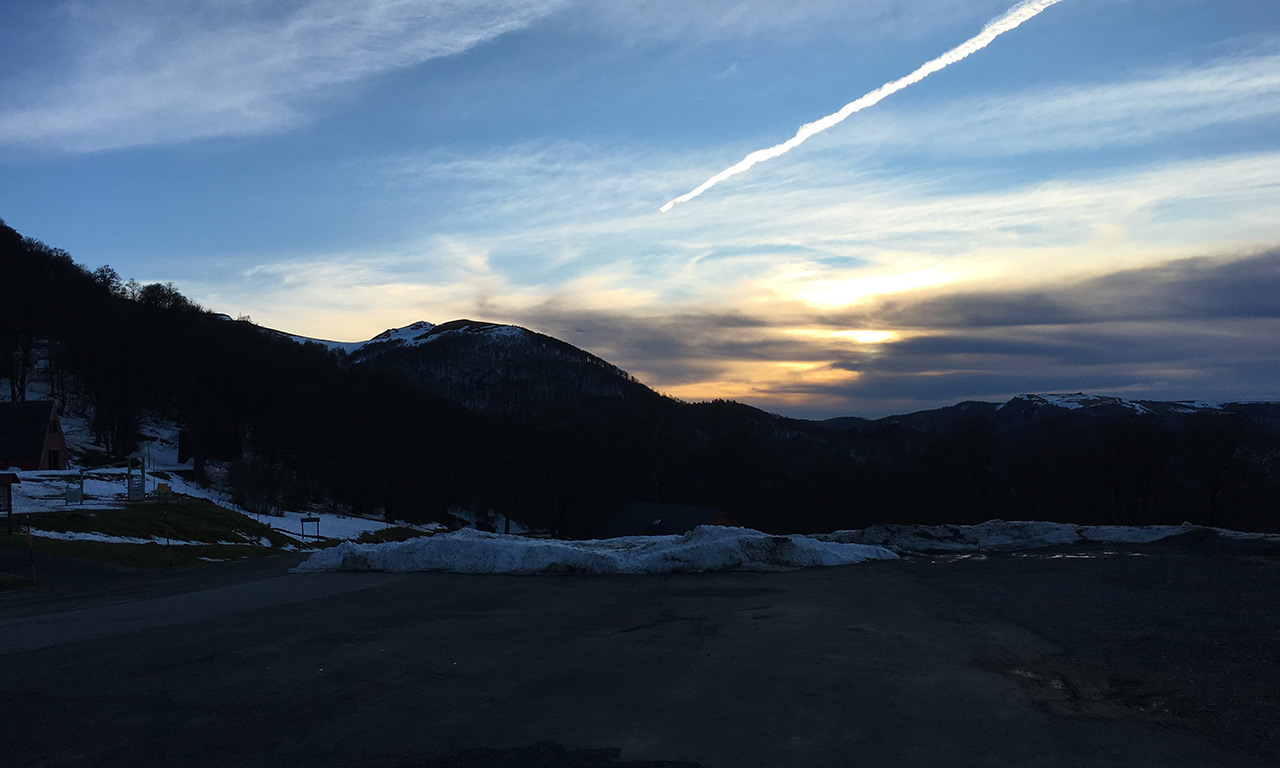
x=999, y=535
x=714, y=548
x=706, y=548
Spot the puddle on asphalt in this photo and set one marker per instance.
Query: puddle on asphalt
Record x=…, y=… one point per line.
x=1068, y=688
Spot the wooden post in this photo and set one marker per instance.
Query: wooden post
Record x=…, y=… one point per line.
x=31, y=551
x=7, y=479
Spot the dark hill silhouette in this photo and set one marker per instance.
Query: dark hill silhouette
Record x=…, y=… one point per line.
x=482, y=416
x=503, y=368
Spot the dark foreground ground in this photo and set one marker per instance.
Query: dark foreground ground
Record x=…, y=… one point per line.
x=1167, y=655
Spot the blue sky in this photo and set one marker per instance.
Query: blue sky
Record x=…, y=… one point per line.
x=1091, y=203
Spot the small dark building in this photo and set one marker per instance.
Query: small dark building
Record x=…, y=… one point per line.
x=31, y=436
x=647, y=518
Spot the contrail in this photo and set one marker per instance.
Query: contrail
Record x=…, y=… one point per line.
x=1011, y=19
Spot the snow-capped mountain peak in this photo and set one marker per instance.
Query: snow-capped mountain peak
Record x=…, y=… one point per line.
x=408, y=333
x=1079, y=401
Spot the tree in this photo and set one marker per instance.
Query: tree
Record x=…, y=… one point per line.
x=110, y=279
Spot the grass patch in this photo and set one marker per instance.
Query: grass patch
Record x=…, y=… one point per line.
x=398, y=533
x=220, y=534
x=12, y=582
x=138, y=555
x=183, y=519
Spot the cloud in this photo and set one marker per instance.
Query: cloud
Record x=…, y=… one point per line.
x=1202, y=327
x=848, y=194
x=679, y=20
x=1190, y=290
x=123, y=73
x=159, y=72
x=1144, y=107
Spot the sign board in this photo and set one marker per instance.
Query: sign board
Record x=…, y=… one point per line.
x=303, y=525
x=137, y=490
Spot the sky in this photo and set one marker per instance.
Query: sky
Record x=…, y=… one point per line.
x=1090, y=203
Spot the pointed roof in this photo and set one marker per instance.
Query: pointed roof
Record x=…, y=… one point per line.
x=23, y=426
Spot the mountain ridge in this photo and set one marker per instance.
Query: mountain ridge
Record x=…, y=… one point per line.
x=1017, y=410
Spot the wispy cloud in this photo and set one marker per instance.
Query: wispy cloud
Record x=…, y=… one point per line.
x=160, y=72
x=836, y=195
x=1145, y=107
x=641, y=20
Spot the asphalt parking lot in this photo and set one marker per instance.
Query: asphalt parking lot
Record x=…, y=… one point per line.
x=1165, y=655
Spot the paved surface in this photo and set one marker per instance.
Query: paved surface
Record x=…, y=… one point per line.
x=1169, y=658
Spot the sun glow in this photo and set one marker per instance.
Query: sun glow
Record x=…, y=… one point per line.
x=774, y=384
x=842, y=292
x=855, y=336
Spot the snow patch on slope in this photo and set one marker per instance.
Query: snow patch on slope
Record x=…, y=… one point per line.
x=1078, y=400
x=409, y=334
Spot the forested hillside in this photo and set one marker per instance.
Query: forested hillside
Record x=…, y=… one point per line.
x=567, y=439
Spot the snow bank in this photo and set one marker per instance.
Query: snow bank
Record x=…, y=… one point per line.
x=714, y=548
x=706, y=548
x=1000, y=535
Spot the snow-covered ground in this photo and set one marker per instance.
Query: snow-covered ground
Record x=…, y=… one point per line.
x=105, y=488
x=714, y=548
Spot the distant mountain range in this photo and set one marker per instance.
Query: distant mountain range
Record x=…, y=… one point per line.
x=1025, y=410
x=495, y=367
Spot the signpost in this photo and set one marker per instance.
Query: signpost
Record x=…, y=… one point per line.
x=303, y=525
x=31, y=552
x=137, y=484
x=75, y=490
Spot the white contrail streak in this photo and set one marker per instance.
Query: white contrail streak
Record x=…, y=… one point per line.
x=1011, y=19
